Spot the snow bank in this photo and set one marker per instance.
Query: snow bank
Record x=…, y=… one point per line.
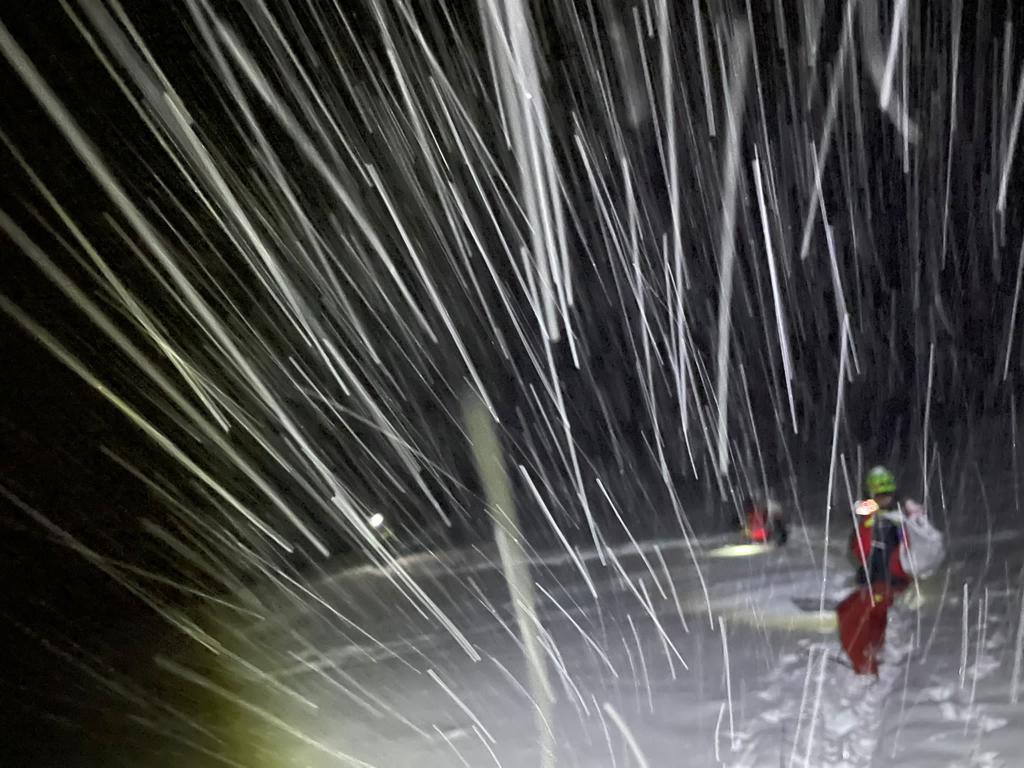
x=687, y=657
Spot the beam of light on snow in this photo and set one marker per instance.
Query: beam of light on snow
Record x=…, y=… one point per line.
x=739, y=550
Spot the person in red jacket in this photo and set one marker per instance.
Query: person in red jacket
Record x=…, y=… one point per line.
x=764, y=520
x=875, y=548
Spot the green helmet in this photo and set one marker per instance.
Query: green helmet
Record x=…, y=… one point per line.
x=881, y=481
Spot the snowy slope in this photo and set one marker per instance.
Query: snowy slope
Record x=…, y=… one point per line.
x=632, y=686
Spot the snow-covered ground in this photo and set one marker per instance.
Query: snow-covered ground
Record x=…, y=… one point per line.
x=689, y=656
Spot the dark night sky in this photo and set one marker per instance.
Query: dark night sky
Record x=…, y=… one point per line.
x=53, y=416
x=52, y=423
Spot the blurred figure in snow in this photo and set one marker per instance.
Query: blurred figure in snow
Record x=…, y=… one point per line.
x=764, y=519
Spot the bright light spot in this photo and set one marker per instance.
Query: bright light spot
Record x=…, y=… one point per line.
x=376, y=520
x=740, y=550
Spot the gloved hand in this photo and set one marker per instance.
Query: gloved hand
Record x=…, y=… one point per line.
x=912, y=508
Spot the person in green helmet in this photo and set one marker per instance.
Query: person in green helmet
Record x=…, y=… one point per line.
x=880, y=548
x=874, y=545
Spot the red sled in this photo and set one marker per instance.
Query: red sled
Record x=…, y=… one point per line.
x=863, y=616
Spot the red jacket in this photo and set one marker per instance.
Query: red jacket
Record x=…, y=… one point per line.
x=758, y=523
